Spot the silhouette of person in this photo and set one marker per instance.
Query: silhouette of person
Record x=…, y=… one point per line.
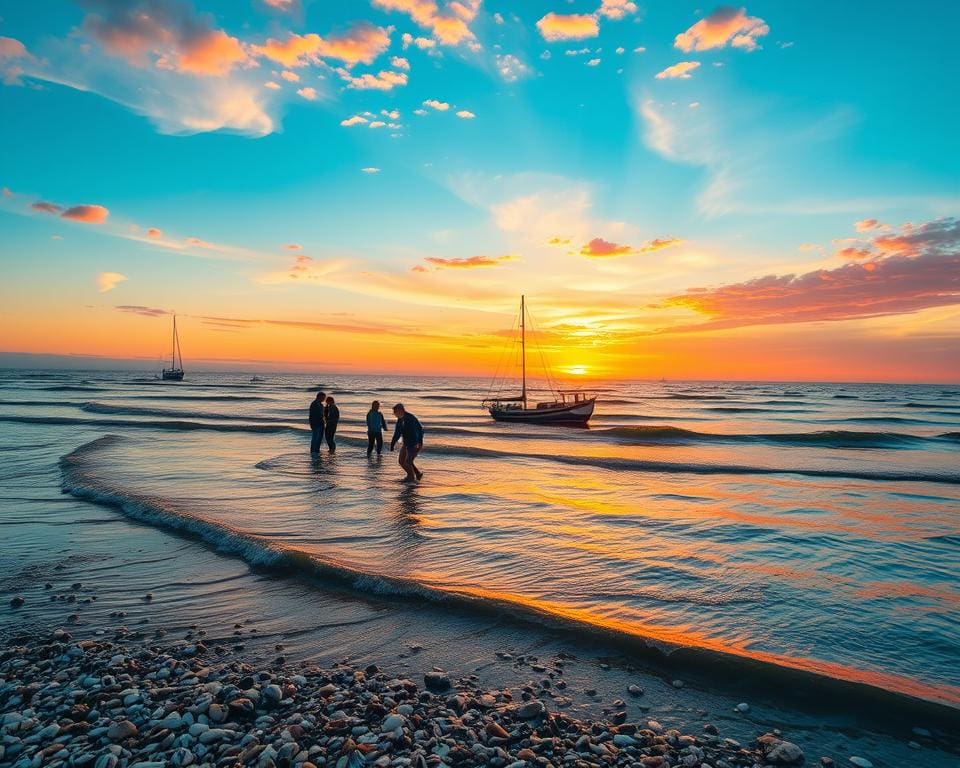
x=376, y=424
x=317, y=422
x=409, y=428
x=332, y=419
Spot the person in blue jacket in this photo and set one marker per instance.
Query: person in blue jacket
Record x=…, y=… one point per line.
x=410, y=429
x=376, y=424
x=318, y=412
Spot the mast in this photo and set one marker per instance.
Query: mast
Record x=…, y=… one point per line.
x=523, y=349
x=173, y=345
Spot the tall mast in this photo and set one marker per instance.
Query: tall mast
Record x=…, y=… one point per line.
x=173, y=345
x=523, y=348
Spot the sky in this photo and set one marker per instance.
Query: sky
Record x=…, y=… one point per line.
x=681, y=190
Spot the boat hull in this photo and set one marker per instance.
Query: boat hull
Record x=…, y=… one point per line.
x=174, y=375
x=574, y=413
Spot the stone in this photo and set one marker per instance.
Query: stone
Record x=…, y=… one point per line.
x=530, y=710
x=121, y=730
x=635, y=690
x=436, y=681
x=677, y=683
x=391, y=723
x=496, y=730
x=17, y=601
x=742, y=707
x=860, y=762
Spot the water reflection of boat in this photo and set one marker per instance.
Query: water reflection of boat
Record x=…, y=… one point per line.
x=174, y=372
x=567, y=406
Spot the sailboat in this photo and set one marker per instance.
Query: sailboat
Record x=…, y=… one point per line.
x=571, y=407
x=174, y=372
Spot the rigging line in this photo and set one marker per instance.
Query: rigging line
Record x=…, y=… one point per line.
x=551, y=382
x=503, y=353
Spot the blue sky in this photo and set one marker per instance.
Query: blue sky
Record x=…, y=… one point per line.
x=793, y=123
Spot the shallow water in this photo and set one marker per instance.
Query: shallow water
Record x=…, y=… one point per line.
x=806, y=525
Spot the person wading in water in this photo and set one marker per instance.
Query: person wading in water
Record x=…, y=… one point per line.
x=409, y=428
x=317, y=422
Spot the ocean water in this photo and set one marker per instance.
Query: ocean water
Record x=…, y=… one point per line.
x=810, y=526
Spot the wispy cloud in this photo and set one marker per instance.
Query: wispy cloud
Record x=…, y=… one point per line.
x=139, y=309
x=471, y=262
x=916, y=268
x=598, y=248
x=107, y=281
x=362, y=43
x=384, y=80
x=90, y=214
x=679, y=70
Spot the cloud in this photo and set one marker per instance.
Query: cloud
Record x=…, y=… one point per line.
x=399, y=62
x=472, y=262
x=449, y=25
x=91, y=214
x=286, y=6
x=617, y=9
x=12, y=54
x=385, y=80
x=423, y=43
x=139, y=309
x=865, y=225
x=370, y=169
x=164, y=33
x=361, y=43
x=593, y=62
x=355, y=120
x=465, y=114
x=598, y=248
x=310, y=94
x=511, y=68
x=107, y=281
x=725, y=25
x=572, y=26
x=272, y=85
x=916, y=268
x=440, y=106
x=680, y=70
x=293, y=246
x=290, y=77
x=154, y=232
x=44, y=207
x=393, y=114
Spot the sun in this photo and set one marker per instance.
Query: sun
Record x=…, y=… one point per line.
x=576, y=370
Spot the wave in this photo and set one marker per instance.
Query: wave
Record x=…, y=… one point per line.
x=890, y=419
x=73, y=388
x=692, y=397
x=833, y=438
x=599, y=462
x=329, y=573
x=729, y=409
x=135, y=410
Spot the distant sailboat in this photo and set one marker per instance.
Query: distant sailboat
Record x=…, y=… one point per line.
x=174, y=372
x=567, y=407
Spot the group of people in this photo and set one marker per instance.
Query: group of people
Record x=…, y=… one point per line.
x=325, y=416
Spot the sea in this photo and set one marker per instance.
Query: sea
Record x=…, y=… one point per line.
x=812, y=527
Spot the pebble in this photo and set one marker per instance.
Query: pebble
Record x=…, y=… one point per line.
x=635, y=690
x=677, y=683
x=121, y=730
x=860, y=762
x=436, y=681
x=742, y=707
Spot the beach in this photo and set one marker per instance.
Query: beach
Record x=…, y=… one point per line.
x=192, y=509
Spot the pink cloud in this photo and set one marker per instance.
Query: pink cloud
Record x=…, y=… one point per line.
x=598, y=248
x=865, y=225
x=918, y=268
x=449, y=25
x=472, y=262
x=139, y=309
x=91, y=214
x=171, y=31
x=361, y=43
x=617, y=9
x=680, y=70
x=293, y=246
x=572, y=26
x=725, y=25
x=154, y=232
x=12, y=52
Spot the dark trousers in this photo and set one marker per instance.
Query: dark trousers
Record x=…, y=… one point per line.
x=330, y=432
x=374, y=438
x=316, y=435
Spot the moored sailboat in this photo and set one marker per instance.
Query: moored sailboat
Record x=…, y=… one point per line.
x=572, y=407
x=175, y=371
